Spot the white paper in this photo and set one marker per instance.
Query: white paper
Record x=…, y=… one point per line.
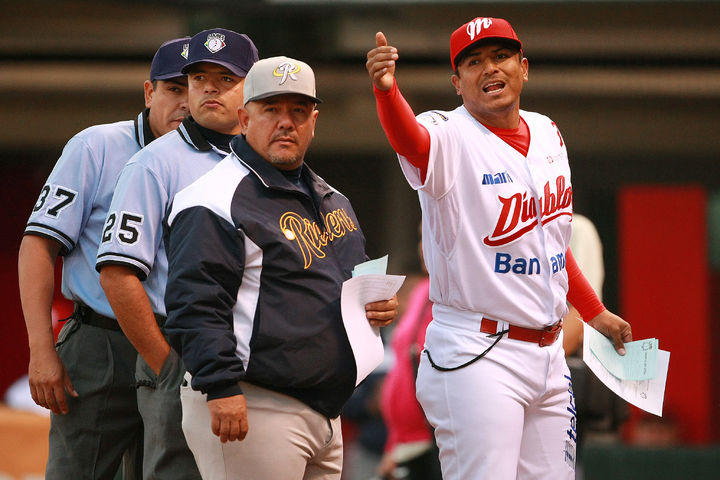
x=365, y=340
x=645, y=394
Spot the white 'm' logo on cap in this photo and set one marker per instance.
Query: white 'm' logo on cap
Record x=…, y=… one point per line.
x=475, y=27
x=286, y=70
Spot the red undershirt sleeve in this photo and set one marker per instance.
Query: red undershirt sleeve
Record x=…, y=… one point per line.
x=580, y=293
x=407, y=137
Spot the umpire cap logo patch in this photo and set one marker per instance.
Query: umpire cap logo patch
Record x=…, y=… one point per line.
x=185, y=49
x=286, y=70
x=215, y=42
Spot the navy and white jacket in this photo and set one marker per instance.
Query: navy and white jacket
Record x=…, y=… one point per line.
x=256, y=268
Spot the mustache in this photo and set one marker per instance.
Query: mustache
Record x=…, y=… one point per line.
x=210, y=98
x=284, y=134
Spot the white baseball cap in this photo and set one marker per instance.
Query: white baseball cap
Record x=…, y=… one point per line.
x=278, y=76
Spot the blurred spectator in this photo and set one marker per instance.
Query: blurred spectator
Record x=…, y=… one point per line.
x=600, y=411
x=410, y=450
x=364, y=451
x=587, y=249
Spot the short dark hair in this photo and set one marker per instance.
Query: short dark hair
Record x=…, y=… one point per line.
x=171, y=80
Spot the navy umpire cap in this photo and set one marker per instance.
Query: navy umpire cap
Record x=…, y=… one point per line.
x=227, y=48
x=170, y=59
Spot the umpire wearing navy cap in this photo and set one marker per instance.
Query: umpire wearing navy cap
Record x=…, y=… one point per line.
x=87, y=379
x=218, y=61
x=166, y=90
x=132, y=260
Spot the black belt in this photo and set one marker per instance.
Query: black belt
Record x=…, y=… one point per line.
x=88, y=316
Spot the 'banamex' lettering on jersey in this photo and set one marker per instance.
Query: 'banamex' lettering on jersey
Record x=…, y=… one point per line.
x=520, y=212
x=310, y=237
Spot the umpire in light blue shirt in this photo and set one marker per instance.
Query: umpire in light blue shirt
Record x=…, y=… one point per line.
x=131, y=258
x=87, y=379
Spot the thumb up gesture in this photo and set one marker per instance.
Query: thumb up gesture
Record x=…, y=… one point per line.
x=381, y=63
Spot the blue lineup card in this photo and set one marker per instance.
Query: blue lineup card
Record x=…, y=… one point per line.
x=371, y=267
x=638, y=363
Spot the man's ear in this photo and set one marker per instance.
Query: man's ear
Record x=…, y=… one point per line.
x=243, y=119
x=315, y=114
x=149, y=90
x=456, y=83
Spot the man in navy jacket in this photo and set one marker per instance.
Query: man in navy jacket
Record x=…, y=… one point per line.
x=258, y=250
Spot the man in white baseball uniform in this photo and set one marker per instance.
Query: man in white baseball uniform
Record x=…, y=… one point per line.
x=494, y=187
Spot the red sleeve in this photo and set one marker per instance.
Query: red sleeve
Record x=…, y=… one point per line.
x=406, y=135
x=580, y=293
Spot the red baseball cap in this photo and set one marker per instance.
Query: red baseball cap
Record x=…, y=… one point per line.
x=478, y=29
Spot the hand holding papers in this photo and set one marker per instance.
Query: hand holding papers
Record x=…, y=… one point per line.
x=638, y=363
x=638, y=376
x=369, y=284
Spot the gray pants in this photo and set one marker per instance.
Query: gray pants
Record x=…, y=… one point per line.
x=167, y=456
x=103, y=423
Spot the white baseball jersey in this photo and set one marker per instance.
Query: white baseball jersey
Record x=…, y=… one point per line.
x=133, y=232
x=496, y=225
x=74, y=202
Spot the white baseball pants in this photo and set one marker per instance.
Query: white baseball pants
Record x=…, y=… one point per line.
x=510, y=415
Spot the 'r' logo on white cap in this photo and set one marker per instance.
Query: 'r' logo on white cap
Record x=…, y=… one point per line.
x=286, y=70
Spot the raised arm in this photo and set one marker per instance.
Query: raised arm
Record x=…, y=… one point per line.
x=406, y=135
x=381, y=63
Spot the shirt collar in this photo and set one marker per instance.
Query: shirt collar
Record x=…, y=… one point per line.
x=191, y=134
x=143, y=132
x=270, y=176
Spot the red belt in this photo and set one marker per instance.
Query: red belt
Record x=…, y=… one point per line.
x=543, y=337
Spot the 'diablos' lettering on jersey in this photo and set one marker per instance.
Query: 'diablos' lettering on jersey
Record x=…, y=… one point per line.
x=310, y=237
x=520, y=212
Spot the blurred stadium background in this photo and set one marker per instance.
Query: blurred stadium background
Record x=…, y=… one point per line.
x=634, y=86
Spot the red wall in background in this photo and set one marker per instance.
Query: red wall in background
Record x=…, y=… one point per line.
x=20, y=187
x=664, y=293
